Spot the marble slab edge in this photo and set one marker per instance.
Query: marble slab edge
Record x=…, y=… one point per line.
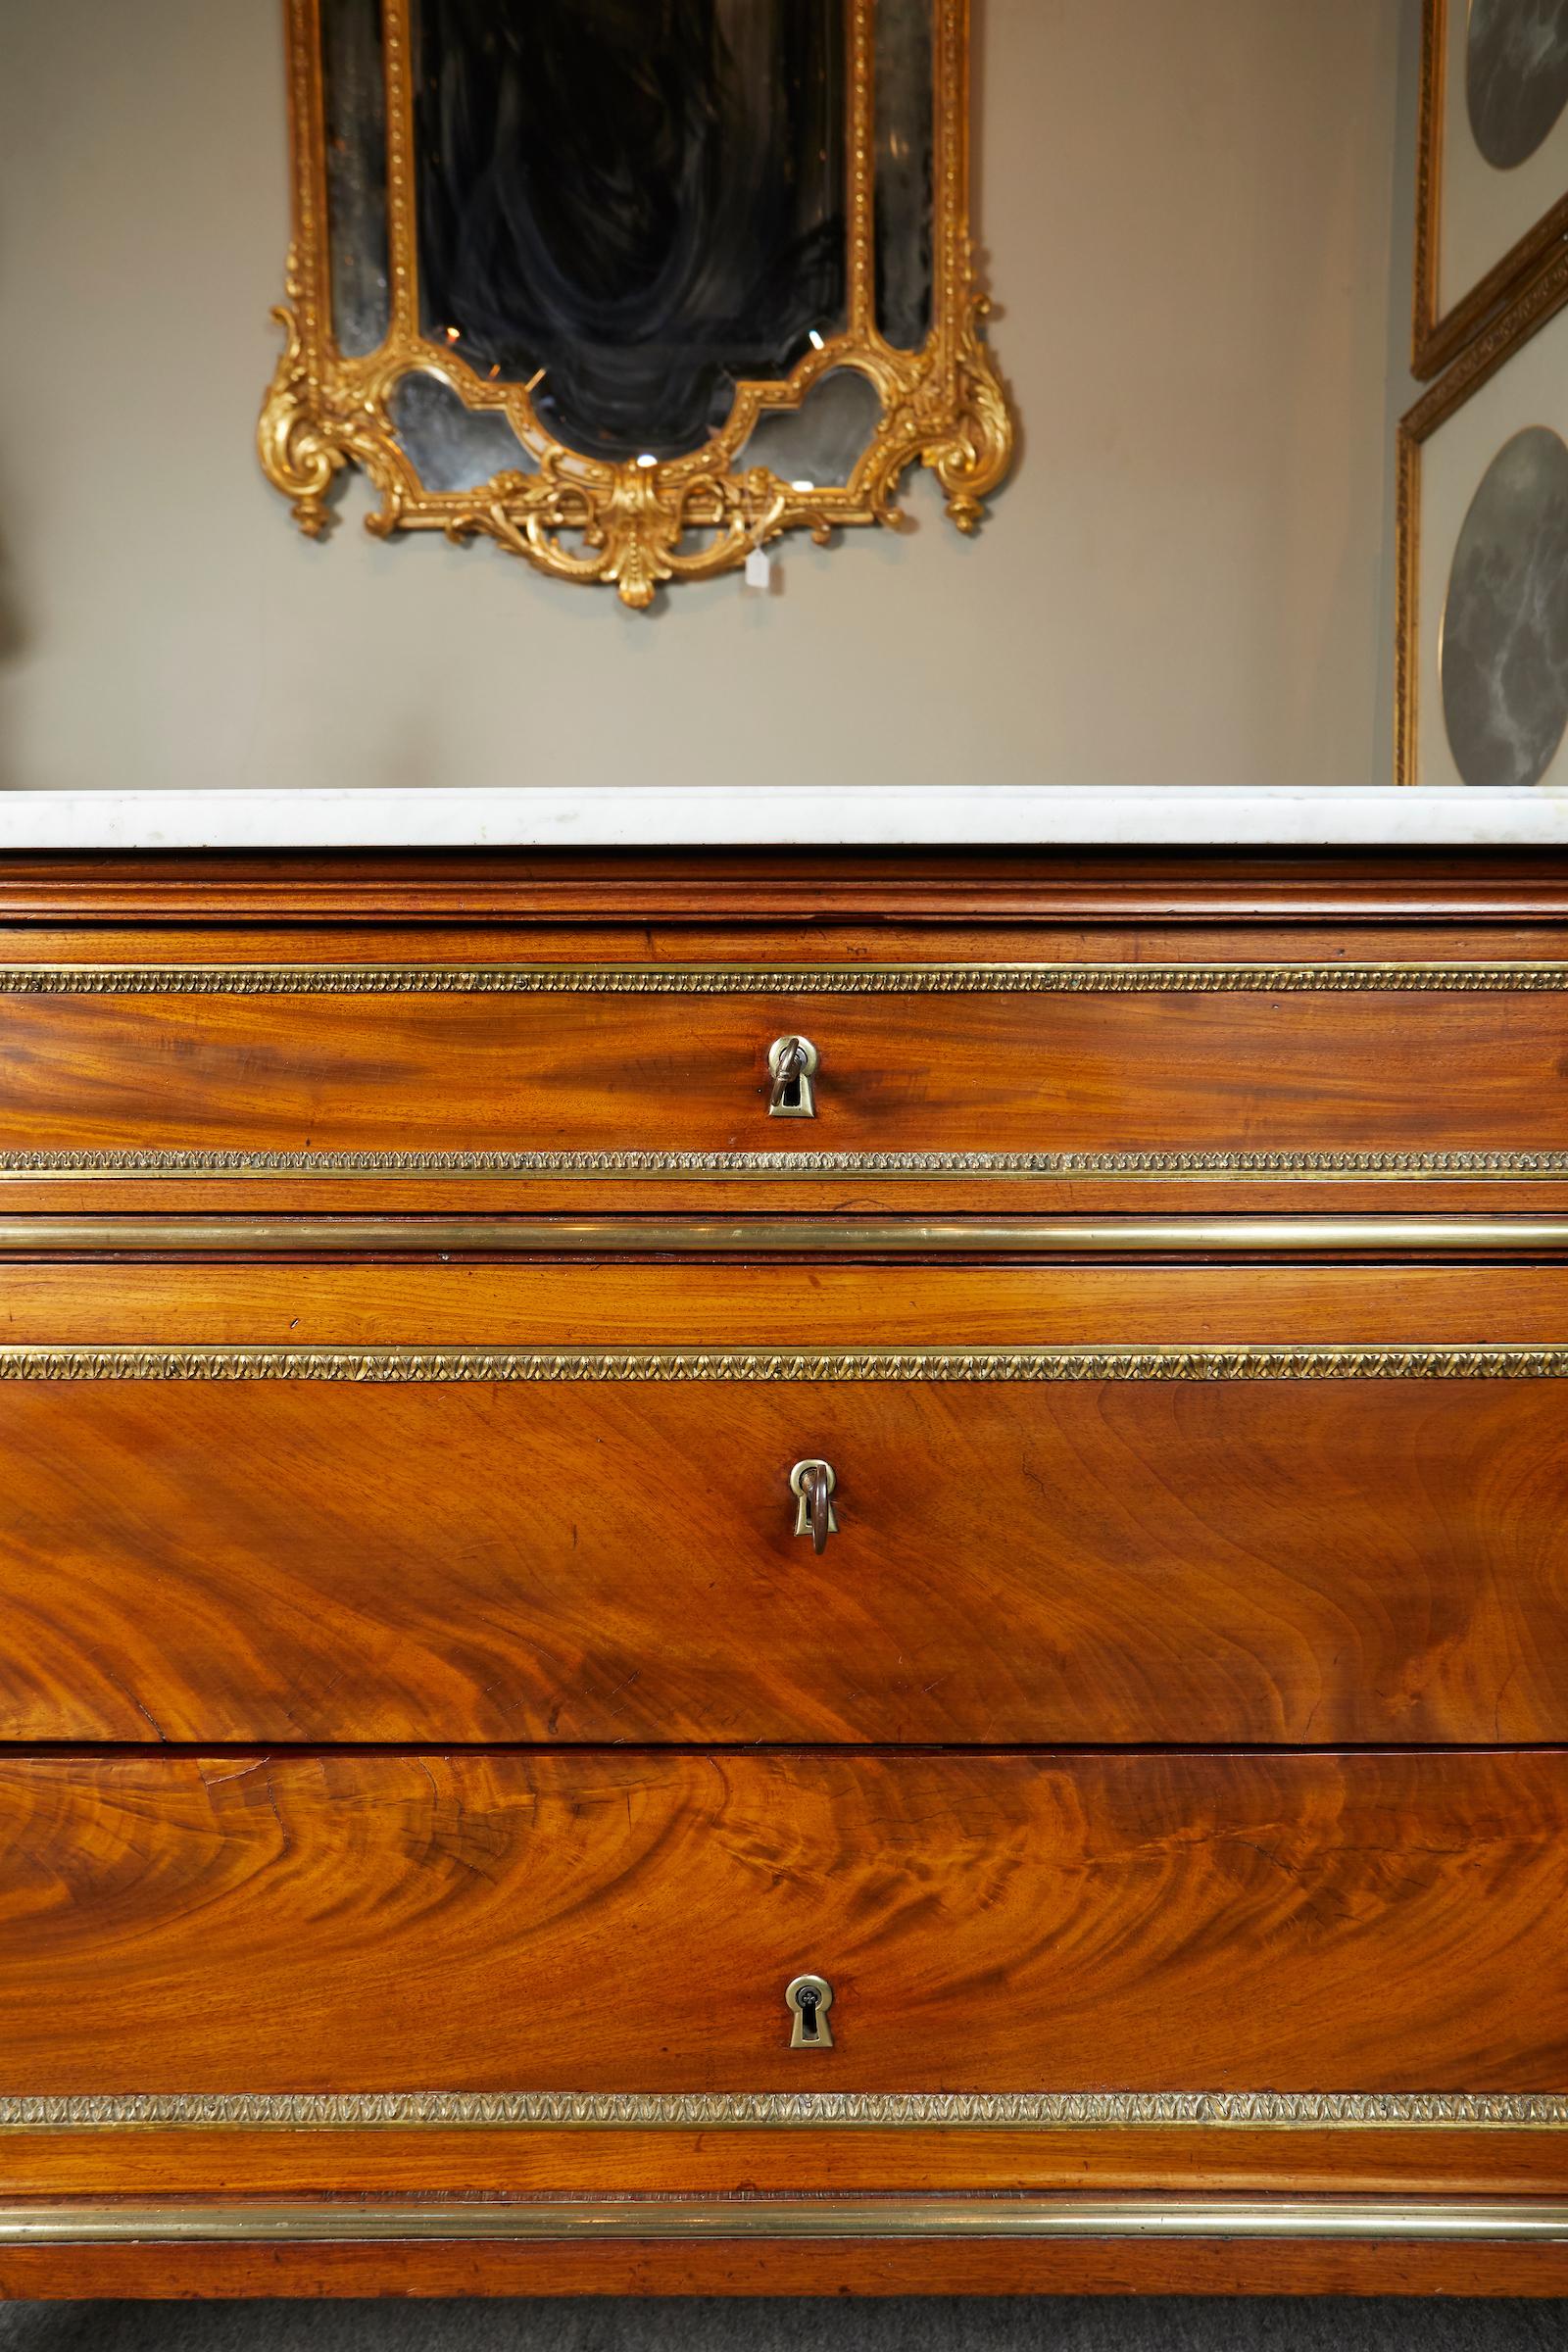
x=868, y=816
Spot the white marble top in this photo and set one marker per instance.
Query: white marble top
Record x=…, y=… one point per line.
x=879, y=817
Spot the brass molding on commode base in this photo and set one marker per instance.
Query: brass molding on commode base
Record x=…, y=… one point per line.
x=769, y=2218
x=787, y=2111
x=195, y=1164
x=804, y=980
x=402, y=1367
x=242, y=1236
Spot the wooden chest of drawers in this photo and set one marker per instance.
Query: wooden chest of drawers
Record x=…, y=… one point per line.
x=783, y=1575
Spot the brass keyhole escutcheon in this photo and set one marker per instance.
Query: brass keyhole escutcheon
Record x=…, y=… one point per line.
x=792, y=1063
x=808, y=2000
x=814, y=1486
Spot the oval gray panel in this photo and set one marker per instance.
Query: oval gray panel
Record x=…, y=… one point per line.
x=1517, y=76
x=1505, y=653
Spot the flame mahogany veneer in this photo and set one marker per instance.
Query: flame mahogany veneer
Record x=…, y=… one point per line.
x=412, y=1681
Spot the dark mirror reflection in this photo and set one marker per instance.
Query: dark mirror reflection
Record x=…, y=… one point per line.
x=905, y=161
x=645, y=199
x=823, y=441
x=452, y=447
x=354, y=105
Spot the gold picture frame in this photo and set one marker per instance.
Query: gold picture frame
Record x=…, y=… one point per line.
x=1533, y=308
x=634, y=524
x=1440, y=335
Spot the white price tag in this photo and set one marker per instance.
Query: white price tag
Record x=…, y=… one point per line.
x=758, y=568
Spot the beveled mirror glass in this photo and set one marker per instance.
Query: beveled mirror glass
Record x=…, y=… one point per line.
x=631, y=286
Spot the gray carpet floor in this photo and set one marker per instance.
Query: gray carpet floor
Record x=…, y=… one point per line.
x=1087, y=2325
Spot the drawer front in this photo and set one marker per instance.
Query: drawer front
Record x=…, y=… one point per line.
x=424, y=1503
x=628, y=1923
x=1112, y=1549
x=1055, y=1072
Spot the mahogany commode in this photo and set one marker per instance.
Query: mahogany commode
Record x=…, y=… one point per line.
x=783, y=1574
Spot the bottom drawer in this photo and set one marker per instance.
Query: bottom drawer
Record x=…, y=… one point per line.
x=628, y=1923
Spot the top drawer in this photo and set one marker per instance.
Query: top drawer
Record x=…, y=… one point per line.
x=997, y=1080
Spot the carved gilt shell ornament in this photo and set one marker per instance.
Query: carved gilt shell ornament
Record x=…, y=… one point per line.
x=534, y=358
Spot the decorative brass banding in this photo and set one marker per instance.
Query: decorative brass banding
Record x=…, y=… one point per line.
x=785, y=2110
x=784, y=1168
x=412, y=1366
x=820, y=2218
x=828, y=980
x=1126, y=1239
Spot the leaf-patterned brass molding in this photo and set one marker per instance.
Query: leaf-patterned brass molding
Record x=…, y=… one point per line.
x=397, y=1367
x=186, y=1163
x=810, y=980
x=631, y=523
x=781, y=2110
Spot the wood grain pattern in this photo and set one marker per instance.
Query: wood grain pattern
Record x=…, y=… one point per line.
x=982, y=1073
x=867, y=1194
x=1204, y=2267
x=1284, y=1564
x=1349, y=1561
x=471, y=2162
x=112, y=1076
x=736, y=1304
x=622, y=1920
x=957, y=883
x=948, y=932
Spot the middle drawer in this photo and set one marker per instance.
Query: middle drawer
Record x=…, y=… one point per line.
x=1072, y=1505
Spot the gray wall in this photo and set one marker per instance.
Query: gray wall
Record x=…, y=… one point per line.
x=1186, y=207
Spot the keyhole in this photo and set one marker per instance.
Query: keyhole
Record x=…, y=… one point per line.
x=808, y=2000
x=792, y=1064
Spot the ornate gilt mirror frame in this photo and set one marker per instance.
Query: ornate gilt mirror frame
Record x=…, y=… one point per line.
x=353, y=349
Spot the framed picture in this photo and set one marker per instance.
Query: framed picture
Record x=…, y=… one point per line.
x=1493, y=195
x=1482, y=630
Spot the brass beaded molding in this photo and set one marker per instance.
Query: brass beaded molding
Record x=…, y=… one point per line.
x=395, y=1367
x=832, y=980
x=782, y=1166
x=635, y=526
x=777, y=2110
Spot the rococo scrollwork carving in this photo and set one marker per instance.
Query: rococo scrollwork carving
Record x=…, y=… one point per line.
x=309, y=431
x=629, y=522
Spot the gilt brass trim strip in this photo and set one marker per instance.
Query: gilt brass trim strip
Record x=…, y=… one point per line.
x=766, y=2219
x=785, y=1167
x=829, y=980
x=792, y=1237
x=413, y=1366
x=782, y=2110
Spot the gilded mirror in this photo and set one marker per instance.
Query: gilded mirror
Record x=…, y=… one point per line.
x=631, y=286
